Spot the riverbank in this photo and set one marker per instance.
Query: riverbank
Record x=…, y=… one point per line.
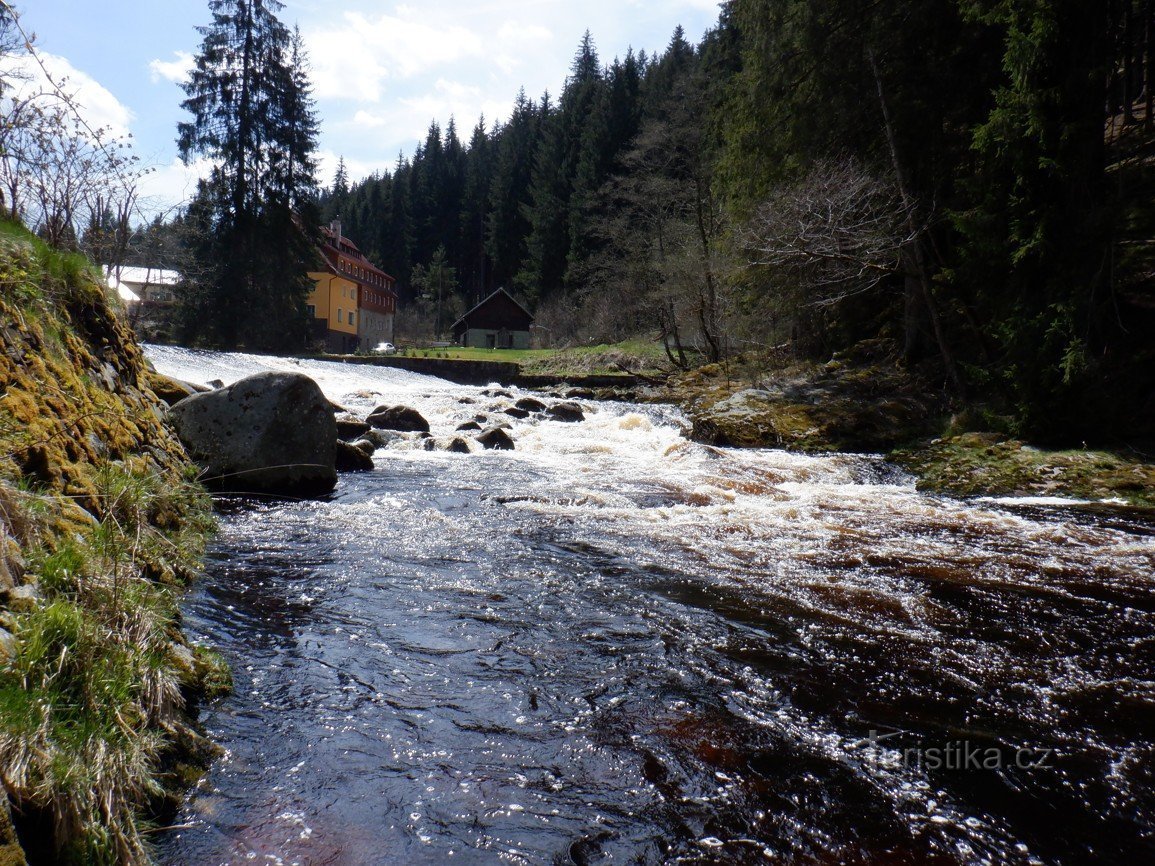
x=101, y=527
x=867, y=400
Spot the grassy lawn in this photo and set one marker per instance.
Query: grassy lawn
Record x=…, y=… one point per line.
x=637, y=356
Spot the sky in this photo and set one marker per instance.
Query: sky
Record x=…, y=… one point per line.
x=381, y=71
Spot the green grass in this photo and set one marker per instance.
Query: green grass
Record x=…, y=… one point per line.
x=91, y=699
x=637, y=356
x=458, y=353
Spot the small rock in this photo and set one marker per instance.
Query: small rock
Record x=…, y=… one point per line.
x=22, y=599
x=8, y=644
x=469, y=425
x=381, y=438
x=580, y=394
x=365, y=446
x=398, y=418
x=458, y=446
x=350, y=428
x=495, y=438
x=530, y=404
x=515, y=412
x=216, y=384
x=566, y=412
x=350, y=459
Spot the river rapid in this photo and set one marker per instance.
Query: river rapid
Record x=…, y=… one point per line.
x=613, y=645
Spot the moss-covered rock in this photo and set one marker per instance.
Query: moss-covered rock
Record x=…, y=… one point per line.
x=990, y=464
x=866, y=400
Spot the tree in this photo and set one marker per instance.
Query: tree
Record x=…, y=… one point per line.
x=252, y=114
x=436, y=285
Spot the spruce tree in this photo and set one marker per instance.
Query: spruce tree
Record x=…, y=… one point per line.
x=252, y=114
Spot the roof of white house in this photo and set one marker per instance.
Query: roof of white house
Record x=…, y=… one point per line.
x=145, y=276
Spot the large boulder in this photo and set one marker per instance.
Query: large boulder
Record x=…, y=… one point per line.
x=398, y=418
x=268, y=433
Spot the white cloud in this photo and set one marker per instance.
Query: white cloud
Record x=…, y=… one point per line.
x=176, y=70
x=93, y=102
x=354, y=59
x=171, y=185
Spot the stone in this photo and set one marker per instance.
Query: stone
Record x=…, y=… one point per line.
x=268, y=433
x=382, y=438
x=530, y=404
x=349, y=428
x=21, y=599
x=457, y=446
x=495, y=438
x=515, y=412
x=365, y=446
x=469, y=425
x=351, y=459
x=566, y=412
x=398, y=418
x=171, y=390
x=8, y=645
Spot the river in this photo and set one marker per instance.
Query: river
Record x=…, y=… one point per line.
x=613, y=645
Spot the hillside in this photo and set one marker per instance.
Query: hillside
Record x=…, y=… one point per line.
x=100, y=528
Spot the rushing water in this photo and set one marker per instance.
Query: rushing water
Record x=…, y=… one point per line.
x=613, y=645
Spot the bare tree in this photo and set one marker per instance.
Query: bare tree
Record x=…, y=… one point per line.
x=64, y=178
x=837, y=232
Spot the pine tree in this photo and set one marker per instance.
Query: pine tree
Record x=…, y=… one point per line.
x=252, y=114
x=474, y=207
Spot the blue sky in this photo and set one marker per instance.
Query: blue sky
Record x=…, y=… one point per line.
x=381, y=70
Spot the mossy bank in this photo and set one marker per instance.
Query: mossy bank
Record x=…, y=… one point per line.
x=101, y=526
x=868, y=400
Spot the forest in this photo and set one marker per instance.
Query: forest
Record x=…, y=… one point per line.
x=967, y=179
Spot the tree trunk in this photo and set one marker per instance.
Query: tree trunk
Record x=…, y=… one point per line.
x=914, y=258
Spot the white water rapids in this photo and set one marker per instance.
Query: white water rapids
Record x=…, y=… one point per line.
x=616, y=645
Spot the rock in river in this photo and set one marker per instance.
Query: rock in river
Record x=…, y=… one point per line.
x=398, y=418
x=495, y=438
x=566, y=412
x=268, y=433
x=350, y=458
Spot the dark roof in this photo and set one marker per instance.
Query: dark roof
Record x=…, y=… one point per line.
x=499, y=310
x=347, y=251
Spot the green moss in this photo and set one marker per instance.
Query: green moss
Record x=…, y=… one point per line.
x=990, y=464
x=212, y=672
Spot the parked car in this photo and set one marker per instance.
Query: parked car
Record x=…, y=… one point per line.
x=385, y=349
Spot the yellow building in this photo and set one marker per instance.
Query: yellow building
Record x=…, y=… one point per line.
x=350, y=289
